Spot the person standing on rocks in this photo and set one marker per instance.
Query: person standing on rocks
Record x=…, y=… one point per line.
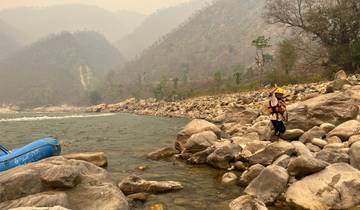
x=278, y=111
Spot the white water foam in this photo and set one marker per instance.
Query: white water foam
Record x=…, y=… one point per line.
x=21, y=119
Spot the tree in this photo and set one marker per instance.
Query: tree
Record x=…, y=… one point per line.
x=261, y=43
x=218, y=76
x=335, y=23
x=238, y=70
x=286, y=55
x=94, y=97
x=175, y=83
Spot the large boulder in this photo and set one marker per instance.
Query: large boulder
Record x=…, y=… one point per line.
x=162, y=153
x=195, y=126
x=346, y=130
x=333, y=156
x=301, y=149
x=263, y=128
x=336, y=187
x=334, y=108
x=270, y=183
x=229, y=178
x=355, y=155
x=247, y=202
x=250, y=174
x=238, y=114
x=315, y=132
x=274, y=150
x=304, y=165
x=134, y=184
x=96, y=158
x=223, y=155
x=201, y=157
x=59, y=181
x=40, y=208
x=292, y=134
x=200, y=141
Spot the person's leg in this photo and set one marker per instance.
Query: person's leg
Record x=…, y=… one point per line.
x=282, y=127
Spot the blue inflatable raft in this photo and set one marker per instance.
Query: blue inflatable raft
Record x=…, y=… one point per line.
x=37, y=150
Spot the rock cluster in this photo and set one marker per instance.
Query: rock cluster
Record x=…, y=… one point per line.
x=315, y=164
x=57, y=181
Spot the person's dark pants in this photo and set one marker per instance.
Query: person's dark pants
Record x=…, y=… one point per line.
x=279, y=127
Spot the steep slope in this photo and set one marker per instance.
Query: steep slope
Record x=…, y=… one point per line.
x=59, y=69
x=157, y=25
x=40, y=22
x=216, y=38
x=9, y=40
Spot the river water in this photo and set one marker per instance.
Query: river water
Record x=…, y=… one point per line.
x=126, y=139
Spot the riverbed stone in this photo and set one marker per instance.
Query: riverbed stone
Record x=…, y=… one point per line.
x=195, y=126
x=274, y=150
x=199, y=142
x=353, y=139
x=327, y=127
x=301, y=149
x=334, y=108
x=312, y=147
x=355, y=155
x=333, y=139
x=250, y=174
x=96, y=158
x=223, y=155
x=346, y=130
x=162, y=153
x=40, y=208
x=304, y=165
x=59, y=181
x=201, y=157
x=247, y=202
x=270, y=183
x=135, y=184
x=315, y=132
x=282, y=161
x=333, y=156
x=229, y=178
x=336, y=187
x=319, y=142
x=292, y=134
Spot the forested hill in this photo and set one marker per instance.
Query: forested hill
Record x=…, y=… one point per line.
x=9, y=40
x=215, y=39
x=36, y=23
x=59, y=69
x=157, y=25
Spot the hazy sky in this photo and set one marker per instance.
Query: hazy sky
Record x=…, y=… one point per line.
x=143, y=6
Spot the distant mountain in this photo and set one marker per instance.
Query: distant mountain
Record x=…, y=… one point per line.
x=40, y=22
x=62, y=68
x=215, y=39
x=157, y=25
x=9, y=40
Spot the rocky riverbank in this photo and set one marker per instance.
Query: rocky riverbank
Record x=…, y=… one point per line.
x=315, y=165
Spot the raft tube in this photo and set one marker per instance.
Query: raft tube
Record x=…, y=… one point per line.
x=37, y=150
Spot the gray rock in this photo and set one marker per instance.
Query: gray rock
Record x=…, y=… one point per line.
x=247, y=202
x=292, y=134
x=319, y=142
x=270, y=183
x=229, y=178
x=96, y=158
x=240, y=166
x=355, y=155
x=304, y=165
x=199, y=142
x=223, y=155
x=315, y=132
x=312, y=147
x=333, y=139
x=346, y=130
x=60, y=181
x=162, y=153
x=195, y=126
x=335, y=146
x=336, y=187
x=301, y=149
x=250, y=174
x=340, y=75
x=263, y=128
x=333, y=156
x=282, y=161
x=334, y=108
x=271, y=152
x=354, y=139
x=134, y=184
x=327, y=127
x=201, y=157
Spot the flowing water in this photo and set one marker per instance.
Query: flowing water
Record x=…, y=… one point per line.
x=126, y=139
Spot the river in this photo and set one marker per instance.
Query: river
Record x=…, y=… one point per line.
x=126, y=139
